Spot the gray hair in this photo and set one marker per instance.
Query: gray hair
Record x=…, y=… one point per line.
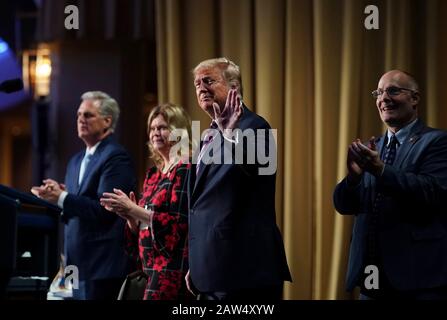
x=230, y=71
x=108, y=107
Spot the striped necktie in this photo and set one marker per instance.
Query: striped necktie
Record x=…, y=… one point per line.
x=206, y=141
x=390, y=152
x=388, y=158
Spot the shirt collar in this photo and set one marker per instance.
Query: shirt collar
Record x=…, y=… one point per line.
x=92, y=150
x=402, y=134
x=213, y=125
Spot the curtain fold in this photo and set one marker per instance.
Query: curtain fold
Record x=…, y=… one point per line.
x=298, y=206
x=350, y=97
x=327, y=69
x=269, y=78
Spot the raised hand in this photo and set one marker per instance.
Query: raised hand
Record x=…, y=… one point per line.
x=228, y=118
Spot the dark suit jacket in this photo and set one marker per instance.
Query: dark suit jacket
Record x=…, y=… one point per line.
x=234, y=242
x=412, y=222
x=94, y=237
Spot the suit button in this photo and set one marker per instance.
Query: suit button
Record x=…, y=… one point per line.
x=191, y=211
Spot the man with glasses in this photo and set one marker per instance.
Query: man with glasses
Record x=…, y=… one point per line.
x=397, y=189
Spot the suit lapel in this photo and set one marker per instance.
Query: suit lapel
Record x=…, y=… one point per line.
x=403, y=151
x=195, y=181
x=380, y=145
x=401, y=155
x=72, y=181
x=193, y=177
x=88, y=170
x=92, y=164
x=205, y=168
x=191, y=182
x=408, y=144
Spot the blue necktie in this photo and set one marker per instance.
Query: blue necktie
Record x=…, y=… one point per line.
x=84, y=165
x=390, y=152
x=388, y=158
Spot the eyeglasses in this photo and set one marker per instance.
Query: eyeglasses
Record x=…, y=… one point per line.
x=391, y=91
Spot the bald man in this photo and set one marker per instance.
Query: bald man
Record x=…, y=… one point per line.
x=397, y=189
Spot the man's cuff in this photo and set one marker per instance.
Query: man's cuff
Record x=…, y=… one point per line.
x=60, y=201
x=229, y=138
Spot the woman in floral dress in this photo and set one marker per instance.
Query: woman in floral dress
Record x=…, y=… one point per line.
x=157, y=227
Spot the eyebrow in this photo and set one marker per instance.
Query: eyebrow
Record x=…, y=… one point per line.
x=86, y=113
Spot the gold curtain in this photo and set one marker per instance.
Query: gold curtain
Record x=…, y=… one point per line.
x=308, y=67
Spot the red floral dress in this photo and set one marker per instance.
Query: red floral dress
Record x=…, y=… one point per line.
x=162, y=249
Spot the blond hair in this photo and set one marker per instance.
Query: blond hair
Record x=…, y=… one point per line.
x=230, y=71
x=176, y=118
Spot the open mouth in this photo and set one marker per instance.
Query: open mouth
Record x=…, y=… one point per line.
x=388, y=108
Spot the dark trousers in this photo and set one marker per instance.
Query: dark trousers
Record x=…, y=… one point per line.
x=104, y=289
x=5, y=275
x=439, y=293
x=387, y=292
x=262, y=294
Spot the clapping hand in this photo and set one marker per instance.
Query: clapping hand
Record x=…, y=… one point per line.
x=119, y=203
x=363, y=158
x=50, y=190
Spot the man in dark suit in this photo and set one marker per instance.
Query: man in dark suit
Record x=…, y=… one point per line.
x=397, y=189
x=235, y=248
x=94, y=237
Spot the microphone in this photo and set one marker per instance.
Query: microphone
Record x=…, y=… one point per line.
x=12, y=85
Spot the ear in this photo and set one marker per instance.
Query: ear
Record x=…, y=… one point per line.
x=234, y=85
x=108, y=121
x=416, y=97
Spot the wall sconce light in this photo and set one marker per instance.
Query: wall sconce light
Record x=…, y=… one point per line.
x=36, y=72
x=43, y=72
x=36, y=69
